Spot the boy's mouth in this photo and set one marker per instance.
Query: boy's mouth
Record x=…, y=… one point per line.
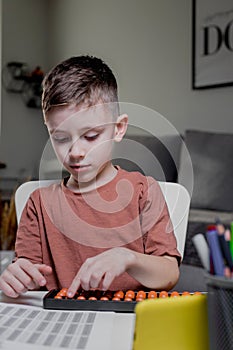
x=79, y=167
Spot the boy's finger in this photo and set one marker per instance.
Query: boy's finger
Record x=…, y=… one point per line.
x=108, y=278
x=33, y=271
x=73, y=287
x=8, y=290
x=13, y=285
x=18, y=275
x=44, y=268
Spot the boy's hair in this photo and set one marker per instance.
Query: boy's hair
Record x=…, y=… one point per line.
x=82, y=80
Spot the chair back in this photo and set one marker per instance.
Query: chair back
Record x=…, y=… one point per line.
x=176, y=196
x=178, y=203
x=23, y=193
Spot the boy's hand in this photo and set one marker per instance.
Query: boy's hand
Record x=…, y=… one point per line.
x=21, y=276
x=100, y=270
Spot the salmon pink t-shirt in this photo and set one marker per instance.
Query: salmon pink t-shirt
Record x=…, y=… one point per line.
x=62, y=228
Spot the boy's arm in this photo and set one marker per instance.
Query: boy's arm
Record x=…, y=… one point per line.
x=155, y=272
x=158, y=267
x=27, y=272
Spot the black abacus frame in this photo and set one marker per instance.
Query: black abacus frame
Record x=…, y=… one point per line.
x=49, y=302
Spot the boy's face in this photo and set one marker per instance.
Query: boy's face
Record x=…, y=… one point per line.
x=83, y=140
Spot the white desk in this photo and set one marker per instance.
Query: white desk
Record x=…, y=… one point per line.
x=123, y=322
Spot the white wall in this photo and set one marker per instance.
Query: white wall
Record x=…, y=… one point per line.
x=146, y=43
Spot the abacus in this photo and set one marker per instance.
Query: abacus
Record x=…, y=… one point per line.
x=97, y=300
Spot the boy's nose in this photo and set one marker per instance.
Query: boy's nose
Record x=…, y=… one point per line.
x=77, y=150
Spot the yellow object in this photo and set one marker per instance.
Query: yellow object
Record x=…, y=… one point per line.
x=179, y=323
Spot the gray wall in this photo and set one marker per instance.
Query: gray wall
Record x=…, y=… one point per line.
x=147, y=44
x=24, y=39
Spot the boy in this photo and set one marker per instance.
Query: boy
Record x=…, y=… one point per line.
x=101, y=227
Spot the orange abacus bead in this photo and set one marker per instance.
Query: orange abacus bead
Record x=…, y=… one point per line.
x=108, y=294
x=63, y=292
x=92, y=298
x=104, y=298
x=81, y=297
x=175, y=294
x=197, y=293
x=119, y=294
x=139, y=299
x=58, y=297
x=116, y=299
x=141, y=294
x=152, y=294
x=185, y=293
x=127, y=299
x=130, y=294
x=163, y=294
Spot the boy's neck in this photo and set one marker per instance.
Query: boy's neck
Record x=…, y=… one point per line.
x=106, y=175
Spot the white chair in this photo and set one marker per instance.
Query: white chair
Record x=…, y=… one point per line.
x=176, y=196
x=23, y=193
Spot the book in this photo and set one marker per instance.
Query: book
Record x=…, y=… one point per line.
x=215, y=252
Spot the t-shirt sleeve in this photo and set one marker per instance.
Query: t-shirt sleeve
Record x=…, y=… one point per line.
x=28, y=241
x=157, y=228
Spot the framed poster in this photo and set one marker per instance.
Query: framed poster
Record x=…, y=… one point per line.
x=212, y=44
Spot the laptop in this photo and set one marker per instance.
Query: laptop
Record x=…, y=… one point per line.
x=27, y=327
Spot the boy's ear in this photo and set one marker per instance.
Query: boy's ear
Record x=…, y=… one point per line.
x=121, y=127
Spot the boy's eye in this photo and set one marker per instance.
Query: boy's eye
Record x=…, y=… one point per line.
x=91, y=137
x=60, y=139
